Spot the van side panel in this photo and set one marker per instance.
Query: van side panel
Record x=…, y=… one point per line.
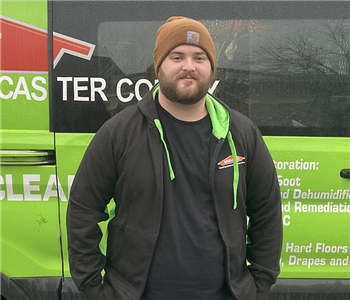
x=31, y=261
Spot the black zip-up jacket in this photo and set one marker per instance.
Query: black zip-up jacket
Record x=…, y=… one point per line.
x=124, y=161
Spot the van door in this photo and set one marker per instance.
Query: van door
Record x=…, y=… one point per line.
x=30, y=241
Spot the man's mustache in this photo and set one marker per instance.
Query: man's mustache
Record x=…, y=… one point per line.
x=187, y=75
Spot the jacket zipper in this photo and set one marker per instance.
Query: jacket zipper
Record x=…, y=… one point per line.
x=155, y=135
x=212, y=171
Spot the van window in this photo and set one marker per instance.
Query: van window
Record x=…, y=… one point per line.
x=286, y=70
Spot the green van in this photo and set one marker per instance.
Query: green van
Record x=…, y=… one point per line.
x=68, y=66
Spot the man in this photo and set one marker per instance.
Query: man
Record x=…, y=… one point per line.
x=185, y=171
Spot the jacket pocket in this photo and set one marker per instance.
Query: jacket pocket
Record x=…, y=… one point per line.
x=130, y=254
x=240, y=279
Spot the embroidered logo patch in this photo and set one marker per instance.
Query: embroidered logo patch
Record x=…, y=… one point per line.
x=228, y=162
x=192, y=37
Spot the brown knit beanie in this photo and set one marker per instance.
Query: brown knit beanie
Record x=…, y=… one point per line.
x=180, y=31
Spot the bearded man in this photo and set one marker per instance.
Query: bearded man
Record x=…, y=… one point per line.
x=185, y=171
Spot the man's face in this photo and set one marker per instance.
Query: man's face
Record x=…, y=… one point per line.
x=185, y=75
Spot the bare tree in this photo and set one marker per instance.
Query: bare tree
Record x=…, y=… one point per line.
x=323, y=50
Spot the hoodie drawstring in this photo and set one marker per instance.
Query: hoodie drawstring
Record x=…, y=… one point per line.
x=235, y=168
x=160, y=129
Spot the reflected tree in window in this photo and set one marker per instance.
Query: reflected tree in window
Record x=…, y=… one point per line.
x=309, y=62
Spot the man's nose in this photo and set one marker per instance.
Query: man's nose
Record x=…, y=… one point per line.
x=188, y=65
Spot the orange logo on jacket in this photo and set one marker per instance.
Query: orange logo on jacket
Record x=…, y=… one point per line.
x=228, y=161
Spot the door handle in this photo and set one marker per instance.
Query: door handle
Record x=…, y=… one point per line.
x=27, y=157
x=345, y=173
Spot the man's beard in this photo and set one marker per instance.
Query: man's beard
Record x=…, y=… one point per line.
x=171, y=90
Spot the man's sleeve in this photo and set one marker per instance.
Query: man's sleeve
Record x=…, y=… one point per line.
x=91, y=191
x=265, y=217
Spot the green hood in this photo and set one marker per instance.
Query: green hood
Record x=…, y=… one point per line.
x=220, y=120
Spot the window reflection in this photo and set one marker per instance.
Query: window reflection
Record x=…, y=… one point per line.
x=291, y=77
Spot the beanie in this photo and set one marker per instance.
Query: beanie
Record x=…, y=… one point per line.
x=182, y=31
